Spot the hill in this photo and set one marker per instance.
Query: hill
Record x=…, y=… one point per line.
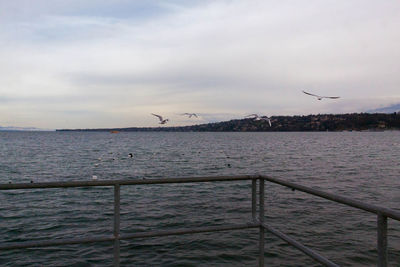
x=389, y=109
x=320, y=122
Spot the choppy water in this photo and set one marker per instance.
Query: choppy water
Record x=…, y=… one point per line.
x=361, y=165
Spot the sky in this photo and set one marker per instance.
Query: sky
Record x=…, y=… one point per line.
x=110, y=63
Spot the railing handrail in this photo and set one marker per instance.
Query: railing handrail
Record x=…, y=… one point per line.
x=330, y=196
x=89, y=183
x=339, y=199
x=382, y=212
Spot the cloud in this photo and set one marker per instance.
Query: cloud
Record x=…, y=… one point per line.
x=222, y=57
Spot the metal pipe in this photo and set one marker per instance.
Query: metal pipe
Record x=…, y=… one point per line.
x=126, y=182
x=254, y=199
x=261, y=211
x=190, y=231
x=117, y=192
x=33, y=244
x=344, y=200
x=300, y=246
x=38, y=244
x=383, y=214
x=382, y=241
x=336, y=198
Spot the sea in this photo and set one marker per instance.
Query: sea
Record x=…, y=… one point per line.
x=360, y=165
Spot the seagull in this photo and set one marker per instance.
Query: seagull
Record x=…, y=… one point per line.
x=256, y=117
x=265, y=118
x=190, y=115
x=320, y=97
x=162, y=121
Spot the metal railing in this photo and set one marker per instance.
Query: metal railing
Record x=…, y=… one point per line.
x=256, y=222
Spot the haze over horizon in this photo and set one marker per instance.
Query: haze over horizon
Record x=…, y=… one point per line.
x=95, y=64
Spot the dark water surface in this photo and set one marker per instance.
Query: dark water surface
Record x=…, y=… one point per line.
x=361, y=165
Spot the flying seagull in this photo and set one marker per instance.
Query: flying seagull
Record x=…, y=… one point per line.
x=256, y=117
x=320, y=97
x=162, y=121
x=265, y=118
x=190, y=115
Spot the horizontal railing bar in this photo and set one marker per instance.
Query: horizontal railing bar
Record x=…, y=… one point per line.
x=36, y=244
x=312, y=254
x=126, y=182
x=336, y=198
x=190, y=231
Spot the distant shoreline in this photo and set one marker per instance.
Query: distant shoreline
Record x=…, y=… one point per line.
x=310, y=123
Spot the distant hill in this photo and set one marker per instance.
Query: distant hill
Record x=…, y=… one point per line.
x=320, y=122
x=388, y=109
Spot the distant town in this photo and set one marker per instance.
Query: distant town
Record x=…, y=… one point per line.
x=308, y=123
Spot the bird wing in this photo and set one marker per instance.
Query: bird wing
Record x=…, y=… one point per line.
x=252, y=115
x=310, y=94
x=158, y=116
x=332, y=97
x=266, y=118
x=189, y=114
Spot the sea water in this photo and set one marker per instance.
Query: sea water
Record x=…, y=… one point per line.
x=361, y=165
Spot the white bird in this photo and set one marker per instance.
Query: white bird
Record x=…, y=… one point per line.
x=162, y=121
x=256, y=117
x=265, y=118
x=190, y=115
x=320, y=97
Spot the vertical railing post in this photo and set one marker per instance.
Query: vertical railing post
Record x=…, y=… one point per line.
x=254, y=199
x=261, y=213
x=116, y=223
x=382, y=241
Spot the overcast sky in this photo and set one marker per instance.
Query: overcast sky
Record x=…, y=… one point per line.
x=104, y=63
